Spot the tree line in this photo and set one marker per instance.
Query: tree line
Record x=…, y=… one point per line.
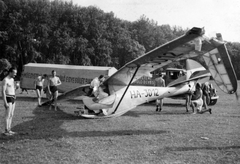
x=60, y=32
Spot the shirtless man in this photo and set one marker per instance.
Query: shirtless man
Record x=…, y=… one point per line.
x=8, y=95
x=53, y=82
x=38, y=83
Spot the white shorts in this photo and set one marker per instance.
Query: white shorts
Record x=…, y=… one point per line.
x=198, y=103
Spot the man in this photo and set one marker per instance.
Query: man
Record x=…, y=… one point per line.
x=38, y=83
x=53, y=82
x=97, y=91
x=159, y=82
x=8, y=95
x=196, y=99
x=95, y=85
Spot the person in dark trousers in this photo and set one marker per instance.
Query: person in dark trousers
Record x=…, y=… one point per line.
x=159, y=82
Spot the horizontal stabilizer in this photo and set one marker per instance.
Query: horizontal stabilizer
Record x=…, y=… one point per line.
x=221, y=69
x=79, y=91
x=102, y=104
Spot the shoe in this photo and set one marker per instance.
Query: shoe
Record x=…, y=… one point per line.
x=160, y=109
x=210, y=110
x=156, y=109
x=11, y=132
x=7, y=133
x=39, y=105
x=104, y=111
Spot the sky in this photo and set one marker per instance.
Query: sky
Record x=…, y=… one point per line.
x=216, y=16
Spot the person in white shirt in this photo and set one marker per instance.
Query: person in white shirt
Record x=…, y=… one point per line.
x=95, y=88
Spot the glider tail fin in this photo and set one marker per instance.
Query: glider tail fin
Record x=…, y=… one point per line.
x=221, y=69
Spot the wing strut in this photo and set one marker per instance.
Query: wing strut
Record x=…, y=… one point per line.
x=126, y=89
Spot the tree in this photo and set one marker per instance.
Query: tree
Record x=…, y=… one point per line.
x=4, y=64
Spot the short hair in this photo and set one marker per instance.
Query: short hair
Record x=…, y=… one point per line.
x=101, y=76
x=45, y=75
x=53, y=71
x=198, y=85
x=11, y=69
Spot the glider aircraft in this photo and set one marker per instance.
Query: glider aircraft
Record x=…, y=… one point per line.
x=123, y=96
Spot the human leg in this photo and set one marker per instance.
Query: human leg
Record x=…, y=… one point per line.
x=11, y=117
x=161, y=105
x=158, y=105
x=205, y=102
x=193, y=105
x=55, y=95
x=38, y=96
x=8, y=118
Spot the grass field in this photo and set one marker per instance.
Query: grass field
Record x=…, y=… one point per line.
x=140, y=136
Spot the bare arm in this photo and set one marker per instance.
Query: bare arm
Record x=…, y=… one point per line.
x=4, y=87
x=59, y=82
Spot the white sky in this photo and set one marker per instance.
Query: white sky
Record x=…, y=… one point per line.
x=217, y=16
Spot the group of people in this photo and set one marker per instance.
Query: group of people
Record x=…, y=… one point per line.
x=9, y=96
x=199, y=99
x=50, y=86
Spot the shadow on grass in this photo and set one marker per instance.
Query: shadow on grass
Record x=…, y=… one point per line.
x=200, y=148
x=46, y=124
x=165, y=104
x=153, y=112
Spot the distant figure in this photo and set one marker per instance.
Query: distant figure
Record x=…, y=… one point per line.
x=38, y=83
x=196, y=99
x=53, y=84
x=159, y=82
x=8, y=95
x=23, y=89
